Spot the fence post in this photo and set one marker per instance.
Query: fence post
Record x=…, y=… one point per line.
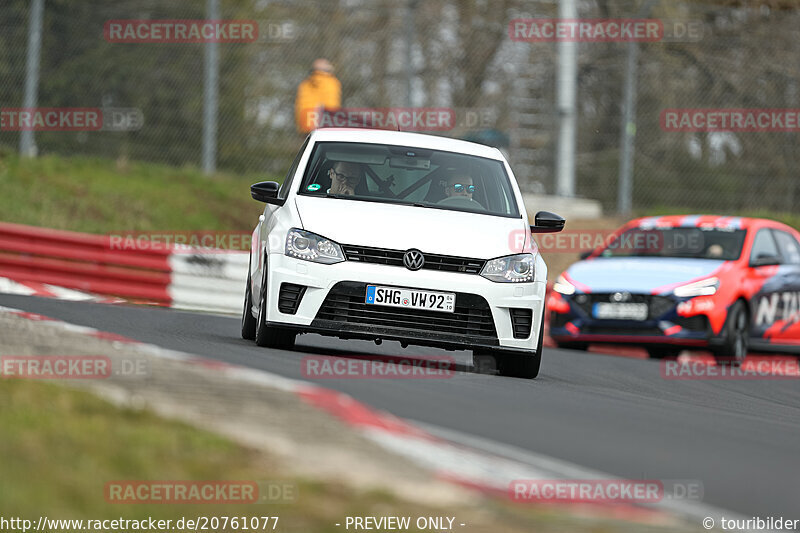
x=27, y=142
x=210, y=94
x=566, y=89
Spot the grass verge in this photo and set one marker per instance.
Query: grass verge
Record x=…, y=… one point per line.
x=60, y=446
x=99, y=195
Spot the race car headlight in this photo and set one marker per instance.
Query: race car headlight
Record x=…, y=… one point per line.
x=704, y=287
x=510, y=269
x=563, y=286
x=312, y=247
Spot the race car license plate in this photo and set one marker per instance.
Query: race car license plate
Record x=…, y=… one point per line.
x=620, y=311
x=411, y=298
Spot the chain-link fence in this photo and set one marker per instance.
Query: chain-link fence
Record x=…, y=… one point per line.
x=458, y=54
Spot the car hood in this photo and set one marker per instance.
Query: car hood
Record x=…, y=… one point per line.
x=639, y=274
x=401, y=227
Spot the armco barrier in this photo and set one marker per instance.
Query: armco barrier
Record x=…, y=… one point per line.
x=184, y=278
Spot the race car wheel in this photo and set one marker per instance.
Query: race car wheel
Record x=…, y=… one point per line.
x=517, y=365
x=248, y=321
x=271, y=336
x=736, y=336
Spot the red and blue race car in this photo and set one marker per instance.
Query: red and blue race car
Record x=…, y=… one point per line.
x=726, y=284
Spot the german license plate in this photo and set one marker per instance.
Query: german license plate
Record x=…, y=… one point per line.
x=411, y=298
x=620, y=311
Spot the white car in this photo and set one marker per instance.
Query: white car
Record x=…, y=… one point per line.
x=387, y=235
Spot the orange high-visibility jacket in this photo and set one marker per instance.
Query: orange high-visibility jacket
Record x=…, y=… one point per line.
x=320, y=89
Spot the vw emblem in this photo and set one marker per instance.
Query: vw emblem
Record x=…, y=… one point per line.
x=621, y=296
x=413, y=259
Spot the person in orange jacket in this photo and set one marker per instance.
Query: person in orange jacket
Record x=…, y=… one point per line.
x=320, y=90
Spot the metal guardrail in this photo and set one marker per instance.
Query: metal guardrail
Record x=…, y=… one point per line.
x=182, y=277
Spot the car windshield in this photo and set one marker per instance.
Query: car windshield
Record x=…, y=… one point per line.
x=409, y=176
x=702, y=243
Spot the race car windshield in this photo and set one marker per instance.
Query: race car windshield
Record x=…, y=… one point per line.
x=701, y=243
x=409, y=176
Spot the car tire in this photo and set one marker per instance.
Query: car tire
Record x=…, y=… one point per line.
x=248, y=320
x=271, y=336
x=736, y=336
x=663, y=352
x=521, y=365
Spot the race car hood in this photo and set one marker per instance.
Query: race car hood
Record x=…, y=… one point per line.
x=639, y=274
x=400, y=227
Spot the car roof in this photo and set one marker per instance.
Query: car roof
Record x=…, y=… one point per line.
x=404, y=138
x=696, y=221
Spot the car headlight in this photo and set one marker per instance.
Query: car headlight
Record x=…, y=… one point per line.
x=510, y=269
x=312, y=247
x=704, y=287
x=563, y=286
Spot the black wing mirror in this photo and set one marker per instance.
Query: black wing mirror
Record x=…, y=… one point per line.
x=266, y=191
x=547, y=222
x=586, y=254
x=765, y=260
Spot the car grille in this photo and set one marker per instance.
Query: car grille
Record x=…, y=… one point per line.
x=521, y=322
x=472, y=317
x=384, y=256
x=656, y=305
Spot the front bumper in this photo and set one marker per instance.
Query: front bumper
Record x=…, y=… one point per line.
x=573, y=322
x=483, y=317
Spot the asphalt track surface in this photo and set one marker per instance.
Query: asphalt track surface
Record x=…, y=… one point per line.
x=741, y=439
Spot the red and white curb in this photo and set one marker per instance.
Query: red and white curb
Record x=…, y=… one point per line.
x=35, y=288
x=484, y=465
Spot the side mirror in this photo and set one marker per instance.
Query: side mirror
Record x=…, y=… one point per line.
x=547, y=222
x=266, y=191
x=586, y=254
x=765, y=260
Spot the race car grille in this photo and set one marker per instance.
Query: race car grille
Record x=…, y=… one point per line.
x=384, y=256
x=521, y=322
x=289, y=297
x=345, y=304
x=656, y=305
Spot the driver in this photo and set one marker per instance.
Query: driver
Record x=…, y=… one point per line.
x=459, y=184
x=345, y=177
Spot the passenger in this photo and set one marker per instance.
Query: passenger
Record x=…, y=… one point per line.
x=459, y=184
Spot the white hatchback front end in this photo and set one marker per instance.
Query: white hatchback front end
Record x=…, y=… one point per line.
x=390, y=260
